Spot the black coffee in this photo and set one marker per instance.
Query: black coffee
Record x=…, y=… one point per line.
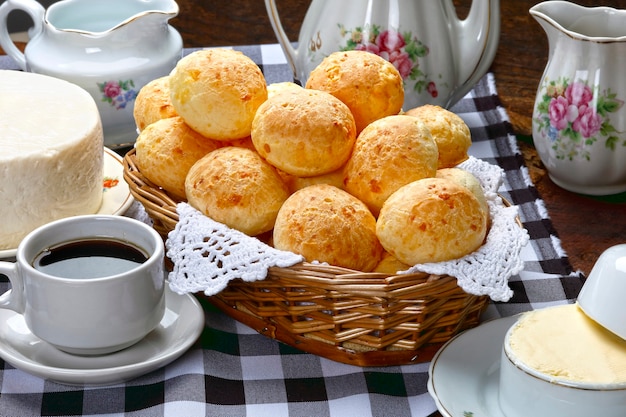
x=89, y=258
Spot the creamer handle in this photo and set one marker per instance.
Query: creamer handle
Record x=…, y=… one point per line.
x=35, y=11
x=12, y=299
x=290, y=52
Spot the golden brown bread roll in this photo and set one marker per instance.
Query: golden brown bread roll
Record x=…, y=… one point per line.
x=389, y=264
x=304, y=132
x=326, y=224
x=468, y=180
x=217, y=92
x=153, y=103
x=388, y=154
x=369, y=85
x=294, y=183
x=452, y=135
x=276, y=88
x=235, y=186
x=166, y=150
x=431, y=220
x=241, y=143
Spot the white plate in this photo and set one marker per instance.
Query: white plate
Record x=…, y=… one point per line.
x=116, y=196
x=179, y=329
x=464, y=374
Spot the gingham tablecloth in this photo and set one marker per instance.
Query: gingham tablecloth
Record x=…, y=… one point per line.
x=234, y=371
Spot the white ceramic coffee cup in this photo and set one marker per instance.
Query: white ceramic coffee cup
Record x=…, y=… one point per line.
x=88, y=316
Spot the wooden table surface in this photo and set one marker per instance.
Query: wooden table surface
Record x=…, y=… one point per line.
x=585, y=225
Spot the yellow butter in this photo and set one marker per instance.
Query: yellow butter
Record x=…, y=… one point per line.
x=564, y=343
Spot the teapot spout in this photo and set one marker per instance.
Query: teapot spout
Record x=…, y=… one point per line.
x=475, y=40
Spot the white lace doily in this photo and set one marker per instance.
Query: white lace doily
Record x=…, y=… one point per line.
x=207, y=254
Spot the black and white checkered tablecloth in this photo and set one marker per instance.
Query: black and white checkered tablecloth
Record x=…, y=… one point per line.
x=234, y=371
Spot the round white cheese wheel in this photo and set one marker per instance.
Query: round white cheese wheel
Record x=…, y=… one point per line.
x=51, y=153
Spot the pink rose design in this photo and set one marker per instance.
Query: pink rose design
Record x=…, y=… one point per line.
x=558, y=112
x=588, y=122
x=112, y=89
x=369, y=47
x=402, y=62
x=432, y=89
x=390, y=40
x=578, y=94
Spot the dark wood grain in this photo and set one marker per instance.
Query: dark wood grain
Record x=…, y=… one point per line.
x=585, y=225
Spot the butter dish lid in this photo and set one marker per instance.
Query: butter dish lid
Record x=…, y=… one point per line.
x=602, y=297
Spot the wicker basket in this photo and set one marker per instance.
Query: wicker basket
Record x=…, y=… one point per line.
x=364, y=319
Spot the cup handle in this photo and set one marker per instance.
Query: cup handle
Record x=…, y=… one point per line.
x=12, y=299
x=36, y=13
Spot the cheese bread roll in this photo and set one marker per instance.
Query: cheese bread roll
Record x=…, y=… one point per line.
x=153, y=103
x=276, y=88
x=326, y=224
x=450, y=132
x=304, y=132
x=294, y=183
x=235, y=186
x=217, y=92
x=390, y=265
x=166, y=150
x=369, y=85
x=468, y=180
x=389, y=153
x=431, y=220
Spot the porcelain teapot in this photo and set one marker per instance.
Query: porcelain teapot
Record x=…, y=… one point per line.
x=439, y=56
x=110, y=48
x=579, y=117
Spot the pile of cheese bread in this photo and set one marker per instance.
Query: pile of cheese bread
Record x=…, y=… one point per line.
x=335, y=171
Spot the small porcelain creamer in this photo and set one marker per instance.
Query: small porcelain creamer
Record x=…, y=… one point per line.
x=579, y=117
x=439, y=56
x=110, y=48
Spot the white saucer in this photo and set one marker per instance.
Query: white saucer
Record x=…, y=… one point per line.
x=464, y=374
x=116, y=196
x=179, y=329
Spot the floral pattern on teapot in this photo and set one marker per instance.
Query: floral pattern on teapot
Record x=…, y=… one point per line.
x=574, y=116
x=403, y=50
x=118, y=93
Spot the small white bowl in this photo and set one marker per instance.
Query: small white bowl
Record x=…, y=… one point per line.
x=602, y=295
x=524, y=392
